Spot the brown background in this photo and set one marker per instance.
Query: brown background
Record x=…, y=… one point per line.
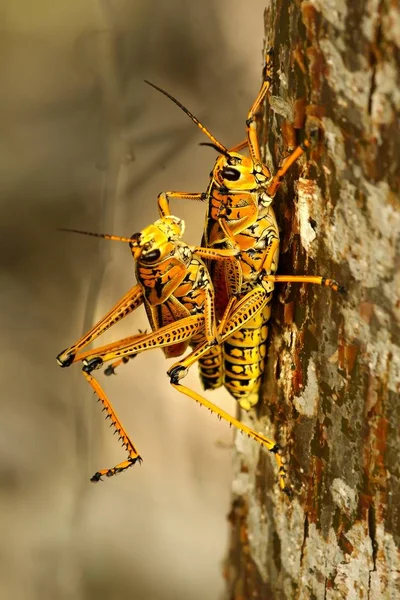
x=86, y=144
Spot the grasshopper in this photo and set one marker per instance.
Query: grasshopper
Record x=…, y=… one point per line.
x=176, y=290
x=240, y=215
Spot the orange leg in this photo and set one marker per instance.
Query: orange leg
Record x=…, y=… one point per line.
x=252, y=131
x=251, y=124
x=239, y=311
x=289, y=161
x=221, y=414
x=233, y=269
x=110, y=370
x=165, y=336
x=133, y=455
x=222, y=324
x=164, y=198
x=216, y=253
x=243, y=310
x=306, y=279
x=128, y=303
x=211, y=332
x=174, y=333
x=241, y=146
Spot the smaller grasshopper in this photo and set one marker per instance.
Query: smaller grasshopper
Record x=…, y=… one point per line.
x=175, y=287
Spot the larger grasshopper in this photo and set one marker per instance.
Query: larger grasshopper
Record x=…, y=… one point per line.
x=239, y=215
x=176, y=290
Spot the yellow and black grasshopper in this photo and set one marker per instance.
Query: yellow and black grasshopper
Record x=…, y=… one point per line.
x=176, y=290
x=240, y=215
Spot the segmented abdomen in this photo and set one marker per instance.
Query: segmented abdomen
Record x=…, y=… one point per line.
x=244, y=357
x=238, y=363
x=210, y=368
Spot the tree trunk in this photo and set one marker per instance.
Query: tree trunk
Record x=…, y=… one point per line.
x=331, y=389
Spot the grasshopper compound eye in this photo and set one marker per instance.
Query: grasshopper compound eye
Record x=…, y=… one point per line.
x=151, y=257
x=135, y=239
x=230, y=174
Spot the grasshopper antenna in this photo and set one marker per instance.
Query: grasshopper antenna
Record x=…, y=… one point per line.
x=104, y=236
x=215, y=143
x=217, y=148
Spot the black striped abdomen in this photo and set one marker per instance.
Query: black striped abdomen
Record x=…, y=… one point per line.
x=244, y=358
x=210, y=368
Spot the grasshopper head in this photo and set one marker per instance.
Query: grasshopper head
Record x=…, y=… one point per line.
x=157, y=241
x=232, y=170
x=240, y=173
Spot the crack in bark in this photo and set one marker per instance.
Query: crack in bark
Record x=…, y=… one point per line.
x=373, y=83
x=374, y=58
x=374, y=543
x=305, y=536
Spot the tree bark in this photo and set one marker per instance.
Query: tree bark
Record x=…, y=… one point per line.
x=332, y=382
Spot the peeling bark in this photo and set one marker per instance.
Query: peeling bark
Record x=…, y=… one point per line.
x=331, y=389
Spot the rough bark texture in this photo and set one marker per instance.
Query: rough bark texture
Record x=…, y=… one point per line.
x=331, y=390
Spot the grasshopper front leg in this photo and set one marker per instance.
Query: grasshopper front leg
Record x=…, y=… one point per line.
x=252, y=138
x=164, y=198
x=316, y=279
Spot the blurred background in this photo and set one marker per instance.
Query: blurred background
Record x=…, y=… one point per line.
x=87, y=144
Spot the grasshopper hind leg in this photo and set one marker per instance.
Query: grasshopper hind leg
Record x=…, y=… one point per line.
x=133, y=455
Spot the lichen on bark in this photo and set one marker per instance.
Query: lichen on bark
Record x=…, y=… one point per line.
x=331, y=389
